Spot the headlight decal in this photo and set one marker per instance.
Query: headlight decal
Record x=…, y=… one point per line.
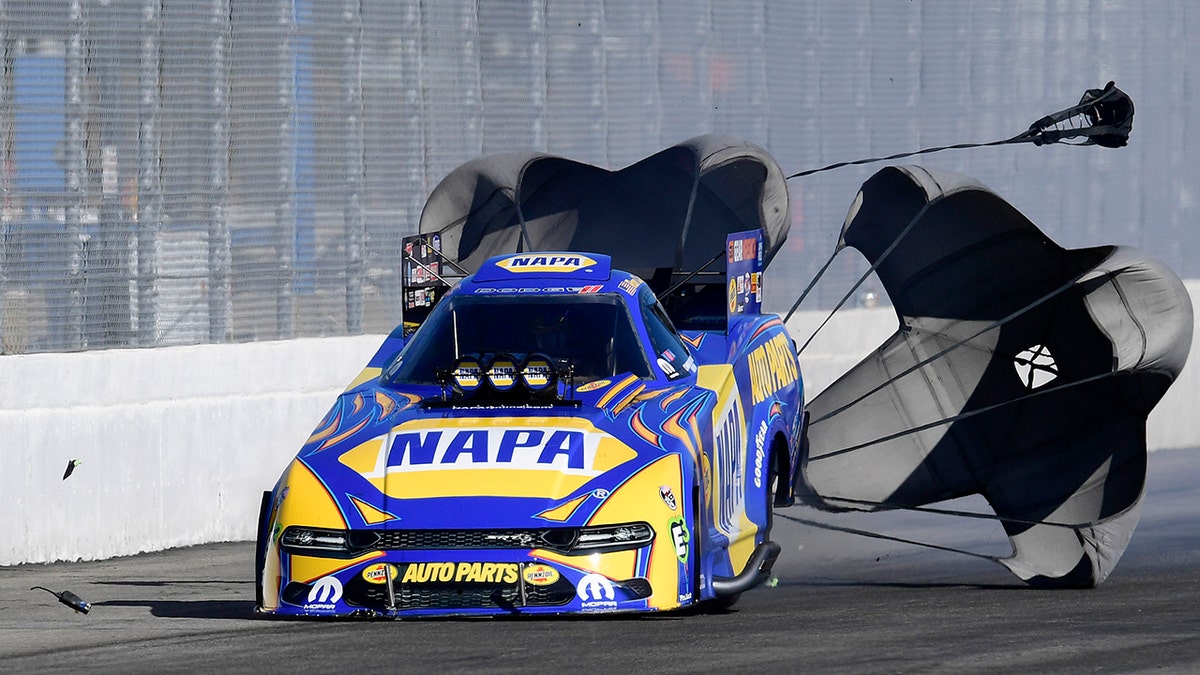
x=371, y=515
x=310, y=501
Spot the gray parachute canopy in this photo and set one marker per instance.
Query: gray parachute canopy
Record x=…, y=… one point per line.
x=670, y=211
x=1022, y=371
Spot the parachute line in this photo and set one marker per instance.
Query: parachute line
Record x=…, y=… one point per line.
x=875, y=265
x=879, y=535
x=1102, y=116
x=924, y=362
x=954, y=418
x=807, y=289
x=952, y=512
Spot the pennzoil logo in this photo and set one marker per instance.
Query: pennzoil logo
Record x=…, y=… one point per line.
x=538, y=262
x=540, y=575
x=460, y=573
x=379, y=572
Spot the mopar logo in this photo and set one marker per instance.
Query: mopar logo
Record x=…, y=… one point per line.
x=514, y=448
x=327, y=591
x=596, y=592
x=545, y=263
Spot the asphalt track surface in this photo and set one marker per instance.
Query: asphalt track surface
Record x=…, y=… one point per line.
x=843, y=603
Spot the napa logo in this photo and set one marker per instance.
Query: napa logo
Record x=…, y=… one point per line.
x=566, y=450
x=557, y=263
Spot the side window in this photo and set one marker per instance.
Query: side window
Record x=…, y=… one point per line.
x=670, y=354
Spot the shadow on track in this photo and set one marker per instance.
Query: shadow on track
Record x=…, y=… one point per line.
x=189, y=609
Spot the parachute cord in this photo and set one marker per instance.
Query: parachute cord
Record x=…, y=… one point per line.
x=955, y=418
x=887, y=537
x=874, y=266
x=926, y=361
x=951, y=512
x=1052, y=128
x=1023, y=137
x=815, y=279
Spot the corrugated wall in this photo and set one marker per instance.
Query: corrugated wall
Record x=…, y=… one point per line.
x=229, y=170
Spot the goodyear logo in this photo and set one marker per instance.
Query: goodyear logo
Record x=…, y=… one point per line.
x=540, y=575
x=534, y=262
x=772, y=367
x=566, y=450
x=460, y=573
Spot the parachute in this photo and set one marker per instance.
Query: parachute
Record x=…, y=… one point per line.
x=666, y=215
x=1021, y=371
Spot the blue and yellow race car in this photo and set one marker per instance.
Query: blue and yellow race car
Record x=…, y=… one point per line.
x=548, y=441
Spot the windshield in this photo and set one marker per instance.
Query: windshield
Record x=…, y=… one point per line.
x=592, y=332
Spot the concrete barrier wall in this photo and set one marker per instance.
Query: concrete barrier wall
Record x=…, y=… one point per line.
x=177, y=444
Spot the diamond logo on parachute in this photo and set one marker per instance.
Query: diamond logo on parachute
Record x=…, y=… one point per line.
x=1035, y=366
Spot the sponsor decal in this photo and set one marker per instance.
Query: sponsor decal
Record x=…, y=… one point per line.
x=592, y=386
x=685, y=597
x=760, y=441
x=379, y=572
x=324, y=594
x=540, y=575
x=594, y=288
x=1035, y=366
x=596, y=593
x=772, y=367
x=667, y=368
x=728, y=452
x=668, y=496
x=540, y=262
x=745, y=248
x=630, y=285
x=486, y=290
x=680, y=537
x=460, y=573
x=567, y=450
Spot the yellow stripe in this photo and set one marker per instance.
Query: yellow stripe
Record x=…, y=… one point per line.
x=616, y=389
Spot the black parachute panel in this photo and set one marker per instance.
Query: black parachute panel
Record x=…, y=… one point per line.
x=1021, y=371
x=668, y=212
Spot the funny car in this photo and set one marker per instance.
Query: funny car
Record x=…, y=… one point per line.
x=541, y=437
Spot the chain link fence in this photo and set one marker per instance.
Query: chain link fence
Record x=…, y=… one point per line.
x=188, y=171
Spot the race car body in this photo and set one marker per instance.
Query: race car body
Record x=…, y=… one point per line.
x=596, y=417
x=546, y=442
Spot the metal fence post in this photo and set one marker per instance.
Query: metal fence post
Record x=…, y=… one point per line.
x=285, y=210
x=219, y=288
x=76, y=175
x=149, y=179
x=6, y=137
x=355, y=164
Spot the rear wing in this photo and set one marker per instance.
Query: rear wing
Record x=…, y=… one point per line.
x=707, y=298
